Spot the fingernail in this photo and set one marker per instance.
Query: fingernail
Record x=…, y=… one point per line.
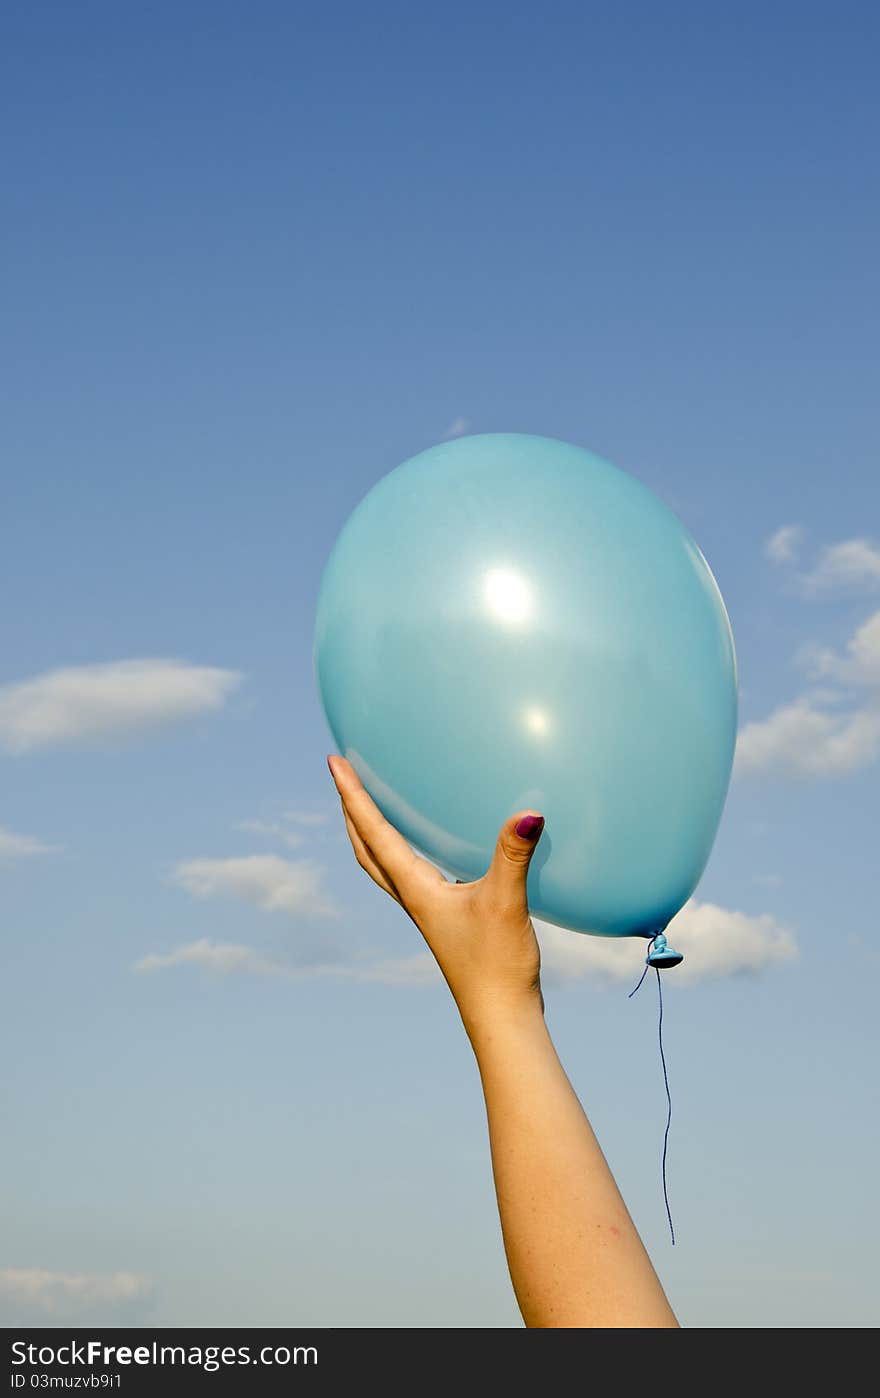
x=330, y=762
x=530, y=827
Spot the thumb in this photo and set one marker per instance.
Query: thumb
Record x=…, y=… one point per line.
x=517, y=840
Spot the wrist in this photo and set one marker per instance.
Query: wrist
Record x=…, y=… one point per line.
x=495, y=1017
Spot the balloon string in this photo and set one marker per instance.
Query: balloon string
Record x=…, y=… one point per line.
x=668, y=1106
x=641, y=978
x=668, y=1095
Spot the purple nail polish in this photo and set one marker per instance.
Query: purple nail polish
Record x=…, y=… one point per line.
x=530, y=827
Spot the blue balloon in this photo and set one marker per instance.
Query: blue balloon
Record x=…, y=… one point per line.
x=508, y=621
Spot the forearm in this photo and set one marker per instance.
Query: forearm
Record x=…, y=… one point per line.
x=574, y=1255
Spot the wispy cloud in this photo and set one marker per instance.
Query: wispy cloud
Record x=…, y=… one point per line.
x=107, y=702
x=265, y=881
x=231, y=959
x=858, y=665
x=784, y=545
x=852, y=564
x=271, y=830
x=415, y=970
x=830, y=731
x=223, y=958
x=13, y=847
x=849, y=566
x=34, y=1292
x=287, y=829
x=457, y=427
x=805, y=739
x=716, y=942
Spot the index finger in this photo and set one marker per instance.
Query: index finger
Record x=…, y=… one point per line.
x=386, y=844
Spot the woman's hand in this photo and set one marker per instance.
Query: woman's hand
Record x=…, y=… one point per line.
x=574, y=1254
x=480, y=933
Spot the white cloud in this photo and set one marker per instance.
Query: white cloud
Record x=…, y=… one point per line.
x=805, y=739
x=14, y=846
x=419, y=969
x=784, y=545
x=224, y=958
x=826, y=732
x=227, y=958
x=716, y=942
x=66, y=1293
x=860, y=663
x=272, y=830
x=95, y=703
x=850, y=565
x=281, y=829
x=853, y=563
x=457, y=427
x=265, y=881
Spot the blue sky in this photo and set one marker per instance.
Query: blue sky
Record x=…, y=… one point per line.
x=254, y=258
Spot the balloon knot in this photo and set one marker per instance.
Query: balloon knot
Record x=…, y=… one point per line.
x=661, y=954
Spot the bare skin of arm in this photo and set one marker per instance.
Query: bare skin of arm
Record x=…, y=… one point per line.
x=575, y=1257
